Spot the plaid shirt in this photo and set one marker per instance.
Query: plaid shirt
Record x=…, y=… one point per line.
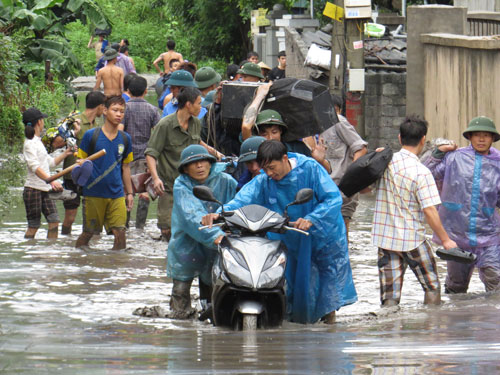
x=405, y=189
x=140, y=118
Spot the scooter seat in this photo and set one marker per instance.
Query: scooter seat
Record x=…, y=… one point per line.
x=458, y=255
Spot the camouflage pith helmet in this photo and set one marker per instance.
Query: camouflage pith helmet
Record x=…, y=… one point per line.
x=482, y=124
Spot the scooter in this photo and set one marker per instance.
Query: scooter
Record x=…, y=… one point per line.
x=248, y=275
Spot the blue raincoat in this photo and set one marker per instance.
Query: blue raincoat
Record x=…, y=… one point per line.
x=469, y=194
x=318, y=272
x=191, y=251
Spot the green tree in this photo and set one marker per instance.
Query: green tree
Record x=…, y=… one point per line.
x=220, y=30
x=41, y=25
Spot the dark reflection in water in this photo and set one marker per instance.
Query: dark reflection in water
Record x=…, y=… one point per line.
x=67, y=311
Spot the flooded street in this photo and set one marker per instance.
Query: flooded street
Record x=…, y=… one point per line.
x=69, y=311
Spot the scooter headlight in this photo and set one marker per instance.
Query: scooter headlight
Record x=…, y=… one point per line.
x=236, y=268
x=273, y=274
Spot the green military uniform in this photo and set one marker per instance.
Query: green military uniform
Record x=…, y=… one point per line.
x=165, y=145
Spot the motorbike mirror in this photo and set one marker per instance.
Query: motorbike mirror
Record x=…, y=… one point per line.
x=205, y=194
x=303, y=196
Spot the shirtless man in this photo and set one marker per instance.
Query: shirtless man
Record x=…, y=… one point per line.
x=166, y=57
x=111, y=76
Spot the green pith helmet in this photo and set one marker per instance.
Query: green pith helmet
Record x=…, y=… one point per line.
x=251, y=69
x=482, y=124
x=110, y=54
x=248, y=149
x=206, y=77
x=181, y=78
x=269, y=117
x=194, y=153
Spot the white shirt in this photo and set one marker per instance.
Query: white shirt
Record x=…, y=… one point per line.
x=36, y=156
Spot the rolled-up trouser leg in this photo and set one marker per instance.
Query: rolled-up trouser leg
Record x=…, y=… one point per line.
x=458, y=277
x=490, y=276
x=180, y=302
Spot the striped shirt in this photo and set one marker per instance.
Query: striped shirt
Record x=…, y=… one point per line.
x=405, y=189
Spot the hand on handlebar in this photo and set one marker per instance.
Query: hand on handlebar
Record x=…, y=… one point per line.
x=209, y=219
x=302, y=224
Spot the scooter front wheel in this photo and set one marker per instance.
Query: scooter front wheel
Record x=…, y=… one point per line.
x=249, y=322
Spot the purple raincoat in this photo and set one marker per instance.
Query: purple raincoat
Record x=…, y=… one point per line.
x=470, y=193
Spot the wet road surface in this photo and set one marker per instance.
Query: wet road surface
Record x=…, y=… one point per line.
x=68, y=311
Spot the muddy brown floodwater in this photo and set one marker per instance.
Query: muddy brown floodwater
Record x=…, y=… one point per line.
x=68, y=311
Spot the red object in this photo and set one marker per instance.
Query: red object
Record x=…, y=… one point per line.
x=353, y=108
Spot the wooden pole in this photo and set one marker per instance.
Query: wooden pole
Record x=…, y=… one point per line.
x=97, y=155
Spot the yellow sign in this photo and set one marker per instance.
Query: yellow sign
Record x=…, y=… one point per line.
x=261, y=18
x=333, y=11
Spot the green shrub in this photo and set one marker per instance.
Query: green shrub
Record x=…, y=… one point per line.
x=11, y=128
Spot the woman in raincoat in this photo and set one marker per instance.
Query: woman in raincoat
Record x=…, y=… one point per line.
x=191, y=252
x=470, y=178
x=318, y=272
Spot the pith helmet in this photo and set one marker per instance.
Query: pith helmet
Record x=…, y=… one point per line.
x=181, y=78
x=194, y=153
x=269, y=116
x=110, y=54
x=251, y=69
x=482, y=124
x=206, y=77
x=248, y=149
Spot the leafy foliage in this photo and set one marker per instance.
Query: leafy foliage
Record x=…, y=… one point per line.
x=220, y=30
x=43, y=24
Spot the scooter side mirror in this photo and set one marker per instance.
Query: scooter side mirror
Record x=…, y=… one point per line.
x=303, y=196
x=204, y=193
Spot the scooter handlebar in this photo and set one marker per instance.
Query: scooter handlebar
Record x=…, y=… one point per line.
x=213, y=225
x=296, y=230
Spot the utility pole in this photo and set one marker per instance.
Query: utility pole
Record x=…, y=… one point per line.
x=348, y=53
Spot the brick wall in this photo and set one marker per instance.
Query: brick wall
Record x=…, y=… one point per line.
x=385, y=108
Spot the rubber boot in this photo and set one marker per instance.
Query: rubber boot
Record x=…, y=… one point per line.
x=432, y=297
x=180, y=302
x=142, y=213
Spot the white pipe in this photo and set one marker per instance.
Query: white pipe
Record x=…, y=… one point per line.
x=312, y=9
x=403, y=11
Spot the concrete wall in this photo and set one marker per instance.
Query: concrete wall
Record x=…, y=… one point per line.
x=420, y=20
x=479, y=5
x=462, y=81
x=385, y=108
x=296, y=52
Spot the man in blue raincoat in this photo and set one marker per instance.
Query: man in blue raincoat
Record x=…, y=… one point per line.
x=318, y=272
x=470, y=179
x=191, y=252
